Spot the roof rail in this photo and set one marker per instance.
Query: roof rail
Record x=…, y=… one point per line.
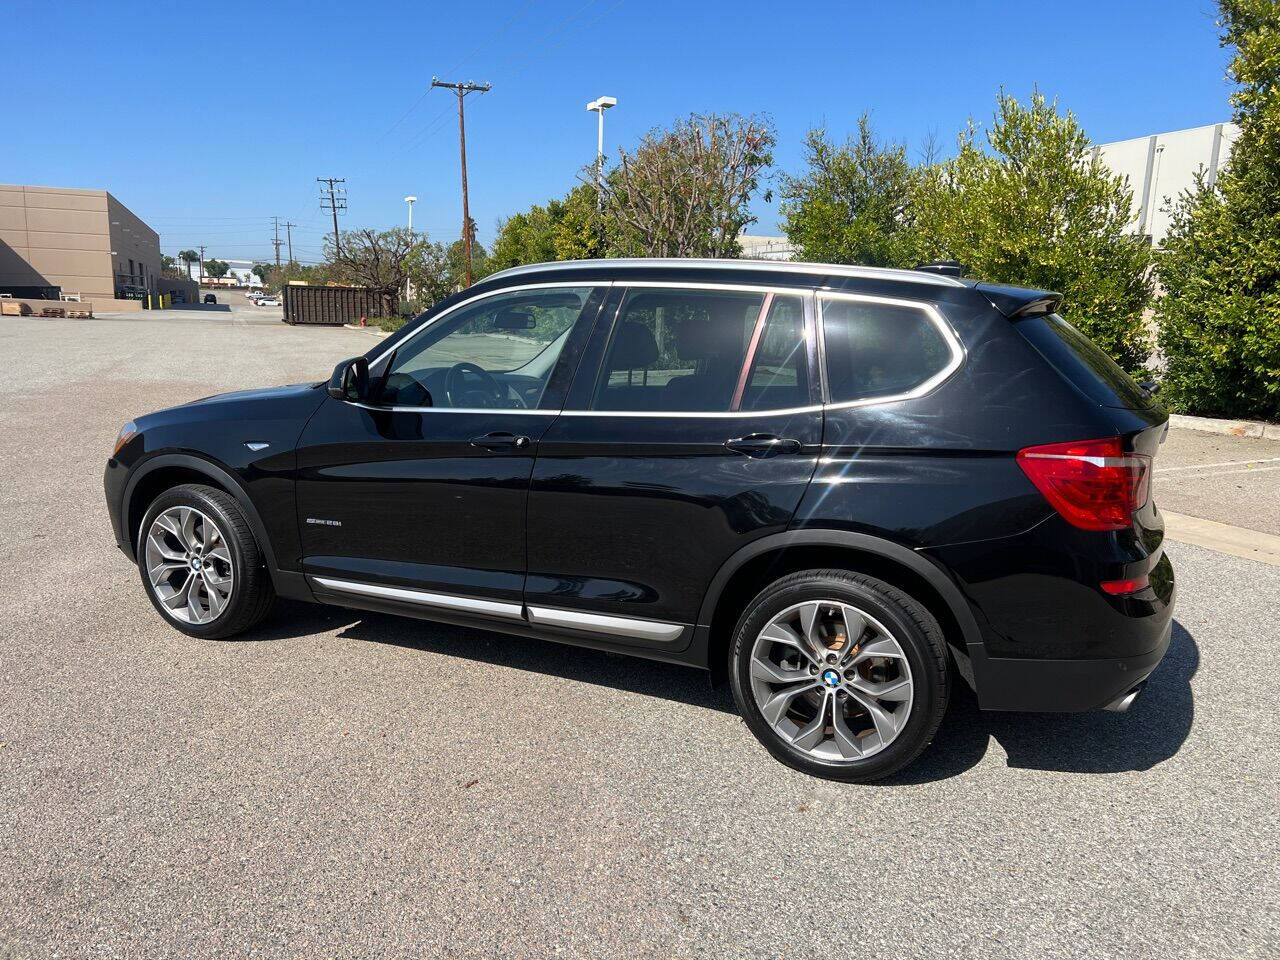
x=764, y=266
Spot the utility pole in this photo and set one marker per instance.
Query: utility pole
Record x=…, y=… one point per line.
x=288, y=229
x=200, y=275
x=275, y=242
x=335, y=201
x=462, y=89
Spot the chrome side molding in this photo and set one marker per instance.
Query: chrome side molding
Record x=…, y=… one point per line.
x=444, y=601
x=631, y=628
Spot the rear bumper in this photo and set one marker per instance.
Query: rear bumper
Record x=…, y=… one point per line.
x=1006, y=683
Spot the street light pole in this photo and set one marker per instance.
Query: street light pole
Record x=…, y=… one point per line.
x=598, y=107
x=408, y=283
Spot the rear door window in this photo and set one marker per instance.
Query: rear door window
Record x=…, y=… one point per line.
x=778, y=377
x=1083, y=362
x=677, y=350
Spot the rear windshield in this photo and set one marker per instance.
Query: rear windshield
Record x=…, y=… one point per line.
x=1082, y=362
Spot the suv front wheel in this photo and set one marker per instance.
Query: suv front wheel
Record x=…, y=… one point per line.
x=839, y=675
x=200, y=563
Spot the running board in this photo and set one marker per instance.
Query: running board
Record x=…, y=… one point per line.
x=632, y=628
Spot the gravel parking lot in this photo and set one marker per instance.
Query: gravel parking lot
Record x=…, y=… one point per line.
x=348, y=784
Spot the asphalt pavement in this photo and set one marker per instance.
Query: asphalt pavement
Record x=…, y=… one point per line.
x=345, y=784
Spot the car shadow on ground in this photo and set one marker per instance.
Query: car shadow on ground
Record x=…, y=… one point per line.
x=614, y=670
x=1152, y=731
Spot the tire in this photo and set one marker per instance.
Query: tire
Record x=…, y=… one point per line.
x=893, y=656
x=218, y=554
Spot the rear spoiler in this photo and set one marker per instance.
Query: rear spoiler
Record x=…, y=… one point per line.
x=1016, y=302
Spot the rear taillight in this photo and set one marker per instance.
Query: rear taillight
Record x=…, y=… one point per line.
x=1094, y=484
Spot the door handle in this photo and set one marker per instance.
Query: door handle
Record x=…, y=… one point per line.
x=501, y=441
x=762, y=445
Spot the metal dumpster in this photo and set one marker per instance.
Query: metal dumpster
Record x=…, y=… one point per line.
x=330, y=306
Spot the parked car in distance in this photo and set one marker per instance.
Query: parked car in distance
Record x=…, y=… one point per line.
x=210, y=298
x=270, y=300
x=842, y=489
x=251, y=294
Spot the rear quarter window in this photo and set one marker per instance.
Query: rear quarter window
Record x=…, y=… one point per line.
x=881, y=350
x=1082, y=362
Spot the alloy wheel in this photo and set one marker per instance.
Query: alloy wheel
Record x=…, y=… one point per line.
x=831, y=680
x=189, y=565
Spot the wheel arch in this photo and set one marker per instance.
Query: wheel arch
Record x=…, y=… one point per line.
x=168, y=470
x=761, y=562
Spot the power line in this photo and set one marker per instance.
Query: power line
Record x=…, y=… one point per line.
x=462, y=89
x=288, y=229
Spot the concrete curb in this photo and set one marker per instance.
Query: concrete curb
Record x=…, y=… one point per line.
x=1234, y=428
x=372, y=331
x=1237, y=541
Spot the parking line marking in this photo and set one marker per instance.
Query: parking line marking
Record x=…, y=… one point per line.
x=1223, y=537
x=1224, y=463
x=1220, y=473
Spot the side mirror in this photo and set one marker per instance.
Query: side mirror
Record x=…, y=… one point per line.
x=350, y=380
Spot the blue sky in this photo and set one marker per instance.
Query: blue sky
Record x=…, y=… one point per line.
x=208, y=120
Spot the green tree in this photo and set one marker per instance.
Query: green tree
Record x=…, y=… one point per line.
x=1219, y=321
x=686, y=191
x=378, y=261
x=1037, y=209
x=262, y=271
x=188, y=257
x=216, y=268
x=853, y=202
x=527, y=237
x=568, y=229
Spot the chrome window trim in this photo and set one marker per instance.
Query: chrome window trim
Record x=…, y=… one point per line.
x=713, y=285
x=522, y=411
x=813, y=300
x=443, y=601
x=630, y=627
x=763, y=266
x=678, y=414
x=929, y=310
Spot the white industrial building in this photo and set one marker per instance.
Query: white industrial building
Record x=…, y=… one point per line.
x=1160, y=167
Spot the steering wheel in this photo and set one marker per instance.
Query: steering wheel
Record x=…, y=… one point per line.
x=494, y=393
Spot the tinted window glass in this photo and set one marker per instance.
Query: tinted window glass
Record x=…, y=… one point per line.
x=779, y=375
x=1082, y=362
x=879, y=349
x=677, y=350
x=497, y=353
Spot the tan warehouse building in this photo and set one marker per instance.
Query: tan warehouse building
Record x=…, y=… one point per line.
x=59, y=241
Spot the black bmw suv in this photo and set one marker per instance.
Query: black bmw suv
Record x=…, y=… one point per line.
x=839, y=487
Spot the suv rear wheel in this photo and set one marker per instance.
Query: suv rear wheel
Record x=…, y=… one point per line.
x=200, y=563
x=839, y=675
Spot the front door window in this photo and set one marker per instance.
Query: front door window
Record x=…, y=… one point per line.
x=498, y=353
